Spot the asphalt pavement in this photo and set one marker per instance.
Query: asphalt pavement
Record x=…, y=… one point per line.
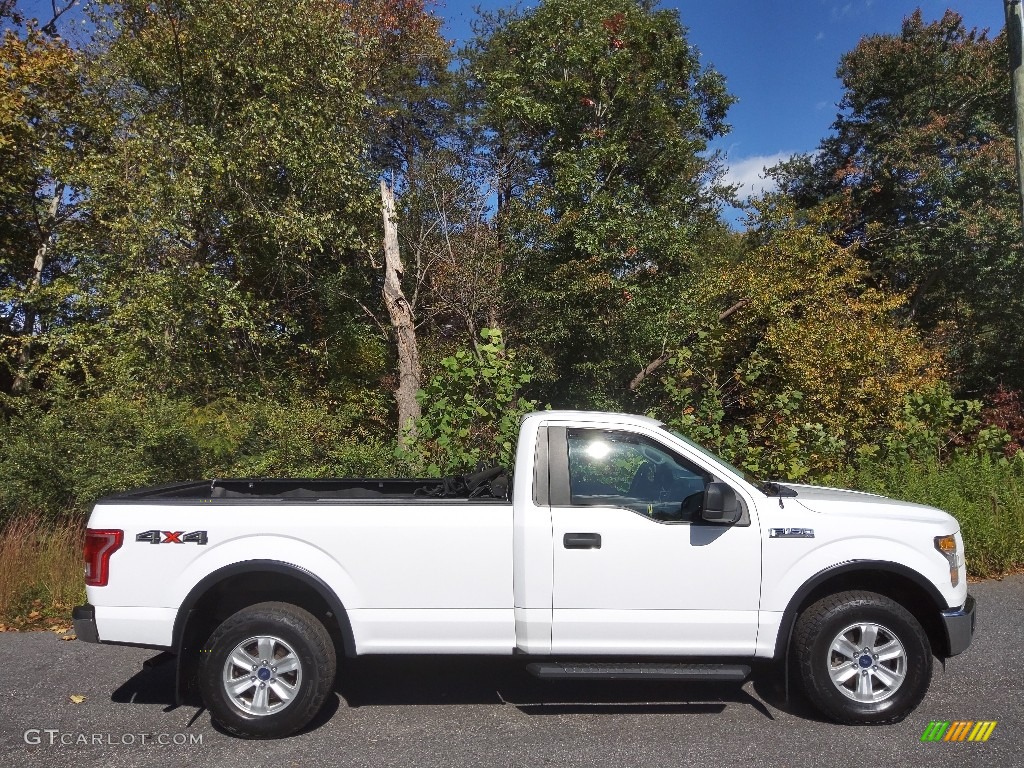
x=428, y=712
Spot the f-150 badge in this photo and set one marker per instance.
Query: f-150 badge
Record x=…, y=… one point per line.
x=172, y=537
x=791, y=533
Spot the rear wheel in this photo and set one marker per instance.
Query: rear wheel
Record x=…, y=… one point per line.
x=862, y=658
x=268, y=670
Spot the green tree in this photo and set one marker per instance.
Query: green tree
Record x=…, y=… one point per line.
x=403, y=67
x=231, y=207
x=40, y=142
x=813, y=368
x=597, y=117
x=923, y=153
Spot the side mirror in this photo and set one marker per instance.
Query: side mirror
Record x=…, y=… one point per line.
x=720, y=504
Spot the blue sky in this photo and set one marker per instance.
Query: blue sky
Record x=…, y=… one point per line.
x=779, y=59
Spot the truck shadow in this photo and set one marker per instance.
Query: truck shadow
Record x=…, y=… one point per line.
x=439, y=681
x=150, y=685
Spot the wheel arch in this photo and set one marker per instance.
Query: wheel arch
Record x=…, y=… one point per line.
x=239, y=585
x=893, y=580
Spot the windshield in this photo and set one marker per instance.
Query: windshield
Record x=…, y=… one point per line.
x=701, y=449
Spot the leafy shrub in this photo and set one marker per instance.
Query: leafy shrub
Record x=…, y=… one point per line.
x=770, y=441
x=933, y=425
x=62, y=457
x=297, y=437
x=1005, y=411
x=471, y=410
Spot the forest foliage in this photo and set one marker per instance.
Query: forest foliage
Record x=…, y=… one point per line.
x=192, y=265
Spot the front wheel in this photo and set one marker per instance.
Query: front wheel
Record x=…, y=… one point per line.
x=862, y=657
x=267, y=670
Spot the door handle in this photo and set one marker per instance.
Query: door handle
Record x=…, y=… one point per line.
x=582, y=541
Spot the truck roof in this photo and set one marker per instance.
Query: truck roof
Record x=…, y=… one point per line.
x=604, y=417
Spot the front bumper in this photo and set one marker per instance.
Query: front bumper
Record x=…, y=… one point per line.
x=959, y=626
x=84, y=619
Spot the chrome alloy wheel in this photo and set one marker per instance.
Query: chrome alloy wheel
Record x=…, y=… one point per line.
x=262, y=675
x=867, y=662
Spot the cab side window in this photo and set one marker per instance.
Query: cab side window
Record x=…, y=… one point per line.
x=610, y=468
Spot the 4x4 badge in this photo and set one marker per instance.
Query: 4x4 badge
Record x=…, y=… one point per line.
x=172, y=537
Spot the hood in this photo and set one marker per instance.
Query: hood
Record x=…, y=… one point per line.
x=836, y=501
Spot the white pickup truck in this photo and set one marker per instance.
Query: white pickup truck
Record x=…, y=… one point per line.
x=620, y=550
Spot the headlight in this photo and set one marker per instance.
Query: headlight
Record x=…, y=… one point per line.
x=948, y=549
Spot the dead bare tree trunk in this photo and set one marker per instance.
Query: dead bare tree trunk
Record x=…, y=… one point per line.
x=21, y=378
x=402, y=321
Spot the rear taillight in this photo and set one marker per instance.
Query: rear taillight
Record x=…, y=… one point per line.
x=99, y=546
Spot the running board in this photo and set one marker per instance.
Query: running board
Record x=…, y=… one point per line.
x=639, y=671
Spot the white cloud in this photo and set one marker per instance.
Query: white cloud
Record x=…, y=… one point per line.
x=841, y=11
x=819, y=37
x=748, y=173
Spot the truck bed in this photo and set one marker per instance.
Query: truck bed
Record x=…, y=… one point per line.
x=432, y=489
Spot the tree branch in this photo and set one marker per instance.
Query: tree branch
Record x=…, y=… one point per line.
x=50, y=27
x=663, y=358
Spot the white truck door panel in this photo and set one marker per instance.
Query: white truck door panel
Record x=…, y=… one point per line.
x=637, y=573
x=654, y=587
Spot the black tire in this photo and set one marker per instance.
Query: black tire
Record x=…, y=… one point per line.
x=872, y=681
x=292, y=633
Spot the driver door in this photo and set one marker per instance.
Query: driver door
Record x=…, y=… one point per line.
x=635, y=568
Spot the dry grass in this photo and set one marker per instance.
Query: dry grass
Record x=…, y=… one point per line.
x=41, y=571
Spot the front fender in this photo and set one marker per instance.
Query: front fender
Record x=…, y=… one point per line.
x=787, y=579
